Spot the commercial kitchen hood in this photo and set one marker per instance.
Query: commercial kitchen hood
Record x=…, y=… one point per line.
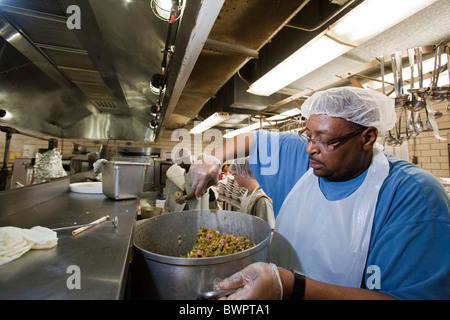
x=93, y=82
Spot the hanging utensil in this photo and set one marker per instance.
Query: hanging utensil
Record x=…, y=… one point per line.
x=414, y=104
x=406, y=136
x=389, y=138
x=448, y=71
x=383, y=84
x=429, y=125
x=396, y=141
x=438, y=93
x=401, y=99
x=423, y=92
x=411, y=121
x=418, y=123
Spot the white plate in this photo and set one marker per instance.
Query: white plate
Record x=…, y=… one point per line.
x=86, y=187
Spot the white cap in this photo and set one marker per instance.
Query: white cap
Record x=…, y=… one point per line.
x=362, y=106
x=182, y=155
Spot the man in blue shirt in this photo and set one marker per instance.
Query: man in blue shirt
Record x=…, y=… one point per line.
x=352, y=221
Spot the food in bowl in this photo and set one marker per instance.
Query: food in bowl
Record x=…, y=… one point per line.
x=210, y=243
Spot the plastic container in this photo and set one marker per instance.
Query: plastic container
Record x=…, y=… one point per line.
x=123, y=180
x=160, y=202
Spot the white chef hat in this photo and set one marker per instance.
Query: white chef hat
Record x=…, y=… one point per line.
x=362, y=106
x=182, y=155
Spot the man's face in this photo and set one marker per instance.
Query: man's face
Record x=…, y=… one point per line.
x=340, y=161
x=240, y=180
x=184, y=165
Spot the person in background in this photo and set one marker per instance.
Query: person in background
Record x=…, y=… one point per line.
x=225, y=171
x=353, y=222
x=254, y=201
x=184, y=159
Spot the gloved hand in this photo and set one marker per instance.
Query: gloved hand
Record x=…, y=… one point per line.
x=259, y=281
x=204, y=173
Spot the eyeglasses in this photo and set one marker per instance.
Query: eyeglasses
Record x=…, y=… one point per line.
x=331, y=144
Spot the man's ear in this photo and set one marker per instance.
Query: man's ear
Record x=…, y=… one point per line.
x=370, y=137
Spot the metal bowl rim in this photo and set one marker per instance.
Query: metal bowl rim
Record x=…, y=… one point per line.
x=172, y=260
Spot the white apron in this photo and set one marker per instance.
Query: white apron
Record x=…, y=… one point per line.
x=328, y=240
x=248, y=200
x=170, y=190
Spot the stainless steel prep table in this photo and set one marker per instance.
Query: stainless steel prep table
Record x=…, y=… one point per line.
x=102, y=253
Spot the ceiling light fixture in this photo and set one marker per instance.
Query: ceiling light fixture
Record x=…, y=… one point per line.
x=285, y=115
x=364, y=22
x=153, y=123
x=249, y=128
x=163, y=8
x=210, y=122
x=155, y=110
x=156, y=85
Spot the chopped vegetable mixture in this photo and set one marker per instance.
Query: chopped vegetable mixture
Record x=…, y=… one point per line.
x=210, y=243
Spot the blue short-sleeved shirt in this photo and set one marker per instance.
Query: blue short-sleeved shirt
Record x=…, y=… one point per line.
x=410, y=240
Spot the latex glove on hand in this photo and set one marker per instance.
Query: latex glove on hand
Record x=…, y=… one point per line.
x=204, y=174
x=180, y=200
x=259, y=281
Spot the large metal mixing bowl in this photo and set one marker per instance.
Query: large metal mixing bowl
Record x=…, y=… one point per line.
x=160, y=272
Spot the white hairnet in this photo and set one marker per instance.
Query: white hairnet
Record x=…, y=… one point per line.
x=241, y=165
x=365, y=107
x=182, y=155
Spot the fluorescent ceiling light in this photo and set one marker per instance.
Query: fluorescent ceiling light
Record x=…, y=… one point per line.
x=213, y=120
x=285, y=115
x=363, y=23
x=372, y=17
x=313, y=55
x=245, y=129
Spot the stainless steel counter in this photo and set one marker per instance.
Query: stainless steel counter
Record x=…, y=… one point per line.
x=102, y=253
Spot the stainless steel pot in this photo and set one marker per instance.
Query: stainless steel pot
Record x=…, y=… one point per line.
x=159, y=271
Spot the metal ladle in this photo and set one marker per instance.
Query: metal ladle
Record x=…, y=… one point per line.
x=448, y=103
x=448, y=71
x=418, y=125
x=423, y=92
x=401, y=99
x=438, y=93
x=395, y=141
x=390, y=139
x=406, y=137
x=429, y=125
x=414, y=104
